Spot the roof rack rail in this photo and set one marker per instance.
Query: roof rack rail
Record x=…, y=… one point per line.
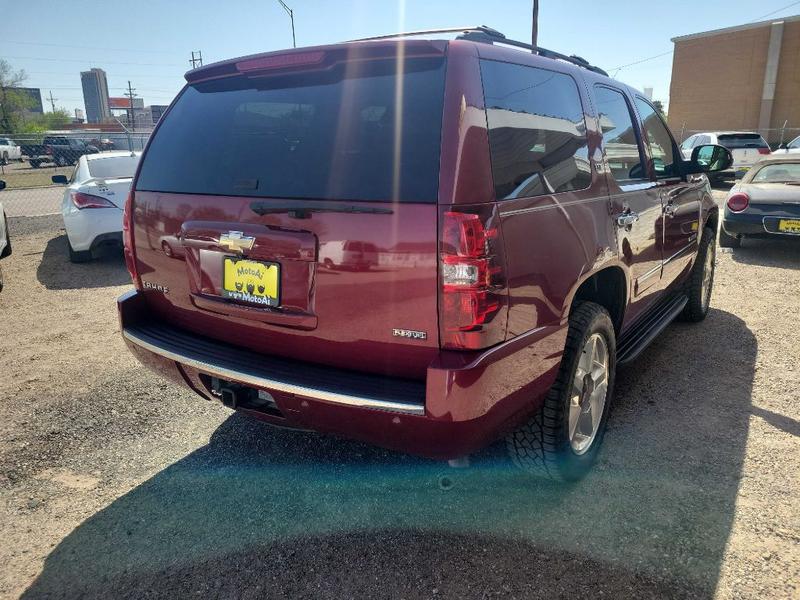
x=487, y=35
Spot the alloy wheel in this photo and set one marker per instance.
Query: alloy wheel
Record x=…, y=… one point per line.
x=589, y=391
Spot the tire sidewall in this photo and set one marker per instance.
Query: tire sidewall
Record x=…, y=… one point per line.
x=574, y=466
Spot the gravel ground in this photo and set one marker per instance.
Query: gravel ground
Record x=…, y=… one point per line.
x=116, y=484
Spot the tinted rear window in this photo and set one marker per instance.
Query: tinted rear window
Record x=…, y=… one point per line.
x=359, y=132
x=113, y=167
x=742, y=140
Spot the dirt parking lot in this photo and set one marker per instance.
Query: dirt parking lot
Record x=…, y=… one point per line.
x=116, y=484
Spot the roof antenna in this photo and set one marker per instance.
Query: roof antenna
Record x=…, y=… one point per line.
x=535, y=27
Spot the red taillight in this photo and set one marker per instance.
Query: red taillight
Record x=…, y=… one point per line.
x=472, y=290
x=738, y=202
x=127, y=241
x=81, y=201
x=764, y=151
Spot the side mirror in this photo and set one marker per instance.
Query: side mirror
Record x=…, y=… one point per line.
x=59, y=179
x=709, y=158
x=2, y=184
x=783, y=147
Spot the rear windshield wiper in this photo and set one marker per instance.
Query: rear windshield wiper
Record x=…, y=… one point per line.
x=303, y=210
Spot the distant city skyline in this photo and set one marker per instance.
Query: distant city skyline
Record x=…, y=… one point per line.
x=631, y=44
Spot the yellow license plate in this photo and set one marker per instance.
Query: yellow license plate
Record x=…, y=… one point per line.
x=251, y=281
x=789, y=225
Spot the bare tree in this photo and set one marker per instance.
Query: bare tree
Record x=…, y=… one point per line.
x=12, y=102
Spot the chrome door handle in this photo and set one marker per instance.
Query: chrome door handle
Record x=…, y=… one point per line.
x=627, y=218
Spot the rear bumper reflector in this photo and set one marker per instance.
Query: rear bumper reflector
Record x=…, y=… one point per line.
x=274, y=373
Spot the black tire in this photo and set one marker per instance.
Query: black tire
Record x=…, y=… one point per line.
x=4, y=160
x=1, y=278
x=541, y=446
x=78, y=256
x=728, y=241
x=696, y=308
x=7, y=250
x=35, y=164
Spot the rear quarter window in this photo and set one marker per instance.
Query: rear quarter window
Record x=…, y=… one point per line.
x=537, y=131
x=368, y=130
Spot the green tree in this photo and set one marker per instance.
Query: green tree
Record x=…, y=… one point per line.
x=659, y=106
x=13, y=103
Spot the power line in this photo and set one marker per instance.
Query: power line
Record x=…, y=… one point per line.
x=617, y=69
x=132, y=50
x=93, y=60
x=643, y=60
x=776, y=11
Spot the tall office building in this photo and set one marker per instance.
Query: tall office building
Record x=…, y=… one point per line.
x=95, y=95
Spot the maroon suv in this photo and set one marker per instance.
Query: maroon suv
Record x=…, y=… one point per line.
x=533, y=226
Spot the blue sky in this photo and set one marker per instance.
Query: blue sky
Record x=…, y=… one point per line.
x=149, y=42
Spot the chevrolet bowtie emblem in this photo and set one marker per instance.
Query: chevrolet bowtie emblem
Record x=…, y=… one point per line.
x=236, y=241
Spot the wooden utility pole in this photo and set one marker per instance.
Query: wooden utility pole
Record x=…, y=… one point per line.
x=53, y=101
x=198, y=61
x=535, y=26
x=132, y=118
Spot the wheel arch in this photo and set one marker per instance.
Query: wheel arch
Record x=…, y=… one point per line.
x=607, y=287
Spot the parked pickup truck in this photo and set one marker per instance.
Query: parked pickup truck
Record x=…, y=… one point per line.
x=533, y=222
x=60, y=150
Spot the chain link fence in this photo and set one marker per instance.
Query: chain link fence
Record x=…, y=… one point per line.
x=28, y=164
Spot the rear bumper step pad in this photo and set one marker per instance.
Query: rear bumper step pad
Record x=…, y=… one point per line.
x=231, y=363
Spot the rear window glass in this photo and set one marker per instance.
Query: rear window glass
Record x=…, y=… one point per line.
x=370, y=131
x=780, y=173
x=113, y=167
x=742, y=140
x=537, y=131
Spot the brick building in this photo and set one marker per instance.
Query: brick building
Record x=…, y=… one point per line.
x=738, y=78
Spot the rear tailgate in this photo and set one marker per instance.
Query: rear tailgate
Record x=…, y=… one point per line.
x=250, y=178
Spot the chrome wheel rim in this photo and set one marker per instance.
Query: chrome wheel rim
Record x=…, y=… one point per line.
x=708, y=277
x=588, y=397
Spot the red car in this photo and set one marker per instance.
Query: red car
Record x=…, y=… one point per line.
x=534, y=226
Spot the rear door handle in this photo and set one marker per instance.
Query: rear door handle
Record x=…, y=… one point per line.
x=627, y=218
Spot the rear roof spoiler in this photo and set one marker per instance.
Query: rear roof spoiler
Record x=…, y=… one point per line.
x=487, y=35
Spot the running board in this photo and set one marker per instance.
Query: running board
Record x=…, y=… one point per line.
x=633, y=342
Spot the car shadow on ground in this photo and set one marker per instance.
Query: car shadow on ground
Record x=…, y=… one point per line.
x=783, y=253
x=56, y=272
x=268, y=512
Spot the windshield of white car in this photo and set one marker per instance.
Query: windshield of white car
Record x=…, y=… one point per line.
x=778, y=173
x=115, y=167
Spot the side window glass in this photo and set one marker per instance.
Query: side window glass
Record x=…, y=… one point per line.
x=537, y=131
x=620, y=143
x=688, y=143
x=74, y=174
x=658, y=139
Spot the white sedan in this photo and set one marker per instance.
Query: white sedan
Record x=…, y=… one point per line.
x=5, y=240
x=94, y=199
x=792, y=147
